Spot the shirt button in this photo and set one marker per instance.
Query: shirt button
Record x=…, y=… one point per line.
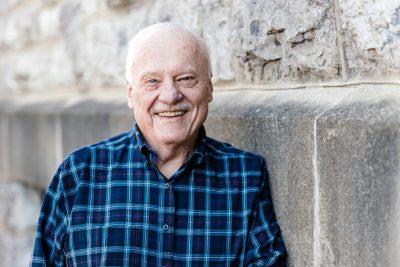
x=165, y=227
x=167, y=186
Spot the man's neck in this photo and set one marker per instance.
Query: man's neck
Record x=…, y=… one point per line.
x=170, y=157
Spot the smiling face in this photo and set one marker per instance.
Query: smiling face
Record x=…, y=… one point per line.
x=170, y=88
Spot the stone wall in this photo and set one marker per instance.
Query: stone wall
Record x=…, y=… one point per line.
x=315, y=84
x=80, y=45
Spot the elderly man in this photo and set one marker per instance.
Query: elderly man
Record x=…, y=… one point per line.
x=162, y=194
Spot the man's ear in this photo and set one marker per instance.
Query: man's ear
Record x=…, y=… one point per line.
x=210, y=93
x=130, y=95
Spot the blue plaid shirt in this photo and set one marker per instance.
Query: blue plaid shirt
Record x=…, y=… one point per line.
x=108, y=205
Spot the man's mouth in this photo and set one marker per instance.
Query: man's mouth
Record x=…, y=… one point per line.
x=171, y=113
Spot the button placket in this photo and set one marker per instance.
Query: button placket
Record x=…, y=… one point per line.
x=168, y=226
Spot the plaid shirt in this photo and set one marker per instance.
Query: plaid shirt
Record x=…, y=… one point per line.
x=108, y=205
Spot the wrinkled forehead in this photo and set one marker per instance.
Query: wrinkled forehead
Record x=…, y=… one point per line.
x=168, y=51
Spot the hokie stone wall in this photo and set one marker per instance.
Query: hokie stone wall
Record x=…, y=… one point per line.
x=314, y=86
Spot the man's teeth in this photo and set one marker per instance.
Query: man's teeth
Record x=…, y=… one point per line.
x=171, y=113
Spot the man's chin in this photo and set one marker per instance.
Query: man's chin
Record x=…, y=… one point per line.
x=172, y=138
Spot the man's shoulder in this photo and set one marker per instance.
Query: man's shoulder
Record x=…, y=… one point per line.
x=221, y=149
x=79, y=165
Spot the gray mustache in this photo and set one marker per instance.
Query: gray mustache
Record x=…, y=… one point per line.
x=182, y=106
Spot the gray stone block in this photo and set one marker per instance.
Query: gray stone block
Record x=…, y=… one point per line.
x=358, y=149
x=36, y=136
x=83, y=123
x=87, y=122
x=4, y=146
x=121, y=118
x=289, y=157
x=333, y=158
x=33, y=144
x=275, y=125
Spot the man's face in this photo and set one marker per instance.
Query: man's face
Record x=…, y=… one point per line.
x=170, y=90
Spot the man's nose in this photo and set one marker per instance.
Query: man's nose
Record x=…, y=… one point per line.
x=170, y=93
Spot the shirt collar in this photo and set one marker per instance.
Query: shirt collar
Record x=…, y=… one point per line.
x=198, y=153
x=140, y=141
x=145, y=149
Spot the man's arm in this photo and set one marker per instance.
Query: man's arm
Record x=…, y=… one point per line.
x=51, y=227
x=265, y=246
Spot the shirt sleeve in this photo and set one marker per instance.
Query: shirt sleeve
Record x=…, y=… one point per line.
x=48, y=248
x=265, y=246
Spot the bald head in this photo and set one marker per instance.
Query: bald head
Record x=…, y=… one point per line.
x=164, y=34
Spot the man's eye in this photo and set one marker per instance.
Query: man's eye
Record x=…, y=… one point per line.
x=187, y=81
x=152, y=81
x=187, y=78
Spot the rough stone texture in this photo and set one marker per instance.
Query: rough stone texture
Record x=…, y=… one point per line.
x=40, y=68
x=17, y=223
x=371, y=37
x=119, y=3
x=95, y=43
x=20, y=27
x=49, y=22
x=286, y=40
x=332, y=154
x=82, y=44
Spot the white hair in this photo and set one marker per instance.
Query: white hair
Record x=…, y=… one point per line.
x=133, y=45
